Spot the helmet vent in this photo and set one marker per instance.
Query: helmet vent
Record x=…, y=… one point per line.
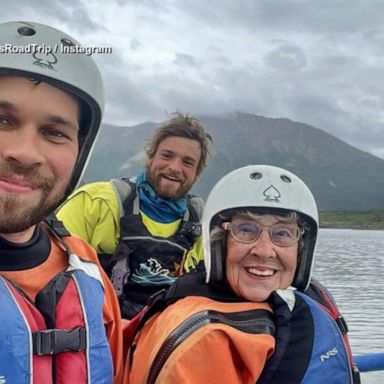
x=286, y=179
x=256, y=175
x=26, y=31
x=67, y=42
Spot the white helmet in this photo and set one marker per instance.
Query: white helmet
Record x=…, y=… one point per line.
x=263, y=187
x=35, y=50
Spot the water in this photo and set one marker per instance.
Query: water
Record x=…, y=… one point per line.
x=351, y=264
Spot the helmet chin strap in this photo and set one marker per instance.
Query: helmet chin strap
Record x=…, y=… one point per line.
x=305, y=261
x=218, y=259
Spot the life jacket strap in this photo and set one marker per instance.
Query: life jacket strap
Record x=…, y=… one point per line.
x=356, y=375
x=190, y=229
x=57, y=226
x=342, y=324
x=119, y=276
x=53, y=341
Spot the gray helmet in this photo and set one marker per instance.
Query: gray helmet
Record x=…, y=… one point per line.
x=266, y=188
x=35, y=50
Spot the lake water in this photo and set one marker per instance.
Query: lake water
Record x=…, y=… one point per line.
x=351, y=264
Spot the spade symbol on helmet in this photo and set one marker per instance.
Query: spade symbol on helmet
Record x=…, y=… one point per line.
x=45, y=60
x=271, y=194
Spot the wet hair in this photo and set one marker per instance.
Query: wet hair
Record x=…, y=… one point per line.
x=185, y=126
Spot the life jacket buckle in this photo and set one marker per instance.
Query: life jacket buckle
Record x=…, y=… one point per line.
x=342, y=325
x=53, y=341
x=192, y=229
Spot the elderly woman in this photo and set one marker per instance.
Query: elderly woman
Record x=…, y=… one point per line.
x=245, y=318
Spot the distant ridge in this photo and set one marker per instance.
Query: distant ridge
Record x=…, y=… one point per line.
x=342, y=177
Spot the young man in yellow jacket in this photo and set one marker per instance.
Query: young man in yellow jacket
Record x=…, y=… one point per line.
x=146, y=230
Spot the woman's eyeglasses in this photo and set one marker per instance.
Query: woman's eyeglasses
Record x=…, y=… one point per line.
x=281, y=234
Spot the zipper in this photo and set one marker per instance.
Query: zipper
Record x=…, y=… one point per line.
x=256, y=321
x=164, y=241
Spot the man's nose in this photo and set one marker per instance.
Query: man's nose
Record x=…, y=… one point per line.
x=176, y=164
x=24, y=147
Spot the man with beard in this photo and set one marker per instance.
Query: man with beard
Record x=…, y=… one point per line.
x=146, y=230
x=60, y=319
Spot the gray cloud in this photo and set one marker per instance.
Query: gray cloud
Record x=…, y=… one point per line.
x=286, y=58
x=321, y=63
x=135, y=44
x=182, y=59
x=71, y=14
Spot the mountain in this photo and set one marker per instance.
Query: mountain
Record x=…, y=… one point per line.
x=341, y=177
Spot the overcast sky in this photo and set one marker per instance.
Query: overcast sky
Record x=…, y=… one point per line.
x=319, y=62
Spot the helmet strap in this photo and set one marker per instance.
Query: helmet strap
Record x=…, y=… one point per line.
x=218, y=252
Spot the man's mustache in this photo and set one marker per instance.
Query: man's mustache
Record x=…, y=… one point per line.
x=29, y=174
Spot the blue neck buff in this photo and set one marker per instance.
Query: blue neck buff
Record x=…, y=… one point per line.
x=157, y=208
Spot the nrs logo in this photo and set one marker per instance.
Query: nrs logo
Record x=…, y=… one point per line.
x=329, y=354
x=2, y=380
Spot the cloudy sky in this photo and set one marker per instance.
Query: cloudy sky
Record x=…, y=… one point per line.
x=319, y=62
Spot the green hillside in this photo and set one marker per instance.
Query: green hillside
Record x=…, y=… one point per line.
x=352, y=219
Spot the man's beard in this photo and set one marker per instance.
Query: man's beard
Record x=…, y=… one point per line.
x=19, y=218
x=154, y=180
x=19, y=214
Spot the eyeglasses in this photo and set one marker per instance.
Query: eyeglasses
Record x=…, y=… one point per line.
x=281, y=234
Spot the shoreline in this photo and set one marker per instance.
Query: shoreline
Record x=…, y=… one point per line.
x=369, y=220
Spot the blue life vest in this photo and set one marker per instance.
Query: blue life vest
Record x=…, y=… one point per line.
x=64, y=329
x=310, y=347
